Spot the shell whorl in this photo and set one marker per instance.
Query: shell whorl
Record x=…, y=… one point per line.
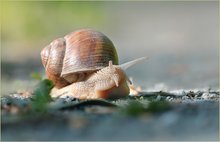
x=53, y=61
x=90, y=50
x=80, y=52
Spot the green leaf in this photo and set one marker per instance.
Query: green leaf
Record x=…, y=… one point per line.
x=134, y=108
x=158, y=106
x=42, y=95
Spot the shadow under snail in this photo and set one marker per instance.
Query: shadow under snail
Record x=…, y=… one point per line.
x=84, y=65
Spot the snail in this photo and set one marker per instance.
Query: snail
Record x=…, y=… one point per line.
x=84, y=65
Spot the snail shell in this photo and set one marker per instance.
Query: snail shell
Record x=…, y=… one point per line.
x=72, y=58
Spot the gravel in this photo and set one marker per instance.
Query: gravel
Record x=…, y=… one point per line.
x=194, y=116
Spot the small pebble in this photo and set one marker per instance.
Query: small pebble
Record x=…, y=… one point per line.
x=185, y=97
x=68, y=99
x=205, y=96
x=158, y=98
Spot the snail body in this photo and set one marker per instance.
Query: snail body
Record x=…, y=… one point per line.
x=84, y=65
x=107, y=83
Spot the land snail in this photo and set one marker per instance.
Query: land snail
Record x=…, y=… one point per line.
x=84, y=65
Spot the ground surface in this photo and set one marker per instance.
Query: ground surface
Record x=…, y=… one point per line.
x=192, y=115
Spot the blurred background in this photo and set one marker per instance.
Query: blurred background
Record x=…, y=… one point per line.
x=180, y=39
